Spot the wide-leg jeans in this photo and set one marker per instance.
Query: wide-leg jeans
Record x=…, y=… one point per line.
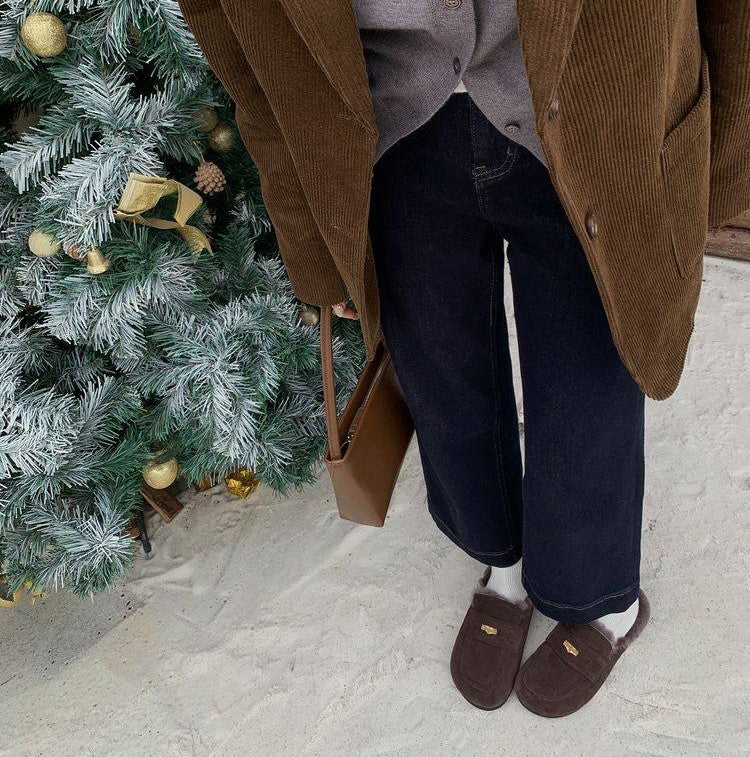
x=444, y=199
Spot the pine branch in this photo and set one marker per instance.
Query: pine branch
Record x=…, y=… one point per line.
x=59, y=135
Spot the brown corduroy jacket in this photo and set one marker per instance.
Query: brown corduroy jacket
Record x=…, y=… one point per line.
x=643, y=111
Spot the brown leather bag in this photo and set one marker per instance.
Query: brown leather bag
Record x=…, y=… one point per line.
x=366, y=446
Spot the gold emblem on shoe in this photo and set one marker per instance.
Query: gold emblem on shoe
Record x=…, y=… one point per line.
x=489, y=630
x=570, y=649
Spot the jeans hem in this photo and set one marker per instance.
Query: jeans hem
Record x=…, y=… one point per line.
x=618, y=602
x=502, y=559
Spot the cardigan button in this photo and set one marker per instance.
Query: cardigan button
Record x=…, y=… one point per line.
x=553, y=110
x=592, y=225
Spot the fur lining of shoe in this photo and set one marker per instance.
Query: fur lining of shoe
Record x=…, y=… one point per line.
x=644, y=613
x=481, y=588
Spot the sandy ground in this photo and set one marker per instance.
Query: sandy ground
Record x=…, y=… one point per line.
x=270, y=627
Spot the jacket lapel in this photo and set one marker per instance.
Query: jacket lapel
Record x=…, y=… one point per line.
x=329, y=29
x=546, y=28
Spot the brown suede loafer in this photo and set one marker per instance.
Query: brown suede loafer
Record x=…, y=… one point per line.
x=571, y=665
x=489, y=647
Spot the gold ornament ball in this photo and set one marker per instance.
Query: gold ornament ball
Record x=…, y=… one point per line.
x=207, y=119
x=242, y=483
x=42, y=244
x=221, y=138
x=161, y=475
x=44, y=35
x=96, y=262
x=309, y=315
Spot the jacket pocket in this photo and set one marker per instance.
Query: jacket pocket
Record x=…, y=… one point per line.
x=685, y=165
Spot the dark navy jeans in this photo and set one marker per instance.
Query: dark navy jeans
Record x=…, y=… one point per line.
x=444, y=199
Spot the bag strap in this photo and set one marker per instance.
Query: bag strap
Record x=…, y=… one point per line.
x=329, y=386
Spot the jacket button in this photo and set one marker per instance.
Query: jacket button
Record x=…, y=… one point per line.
x=457, y=65
x=592, y=225
x=512, y=127
x=452, y=3
x=553, y=110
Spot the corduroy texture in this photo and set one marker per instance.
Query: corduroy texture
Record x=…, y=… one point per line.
x=643, y=110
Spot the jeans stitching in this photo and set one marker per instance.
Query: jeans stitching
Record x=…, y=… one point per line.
x=461, y=542
x=577, y=607
x=498, y=173
x=477, y=190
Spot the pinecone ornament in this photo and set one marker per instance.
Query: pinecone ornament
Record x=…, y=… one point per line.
x=209, y=178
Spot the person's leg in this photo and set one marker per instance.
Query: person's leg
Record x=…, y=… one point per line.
x=507, y=582
x=583, y=421
x=439, y=268
x=583, y=417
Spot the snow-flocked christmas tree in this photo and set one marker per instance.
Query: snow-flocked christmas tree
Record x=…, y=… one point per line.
x=122, y=342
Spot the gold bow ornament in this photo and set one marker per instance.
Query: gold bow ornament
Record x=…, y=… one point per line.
x=142, y=193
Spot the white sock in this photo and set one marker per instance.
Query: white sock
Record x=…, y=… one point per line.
x=507, y=583
x=619, y=623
